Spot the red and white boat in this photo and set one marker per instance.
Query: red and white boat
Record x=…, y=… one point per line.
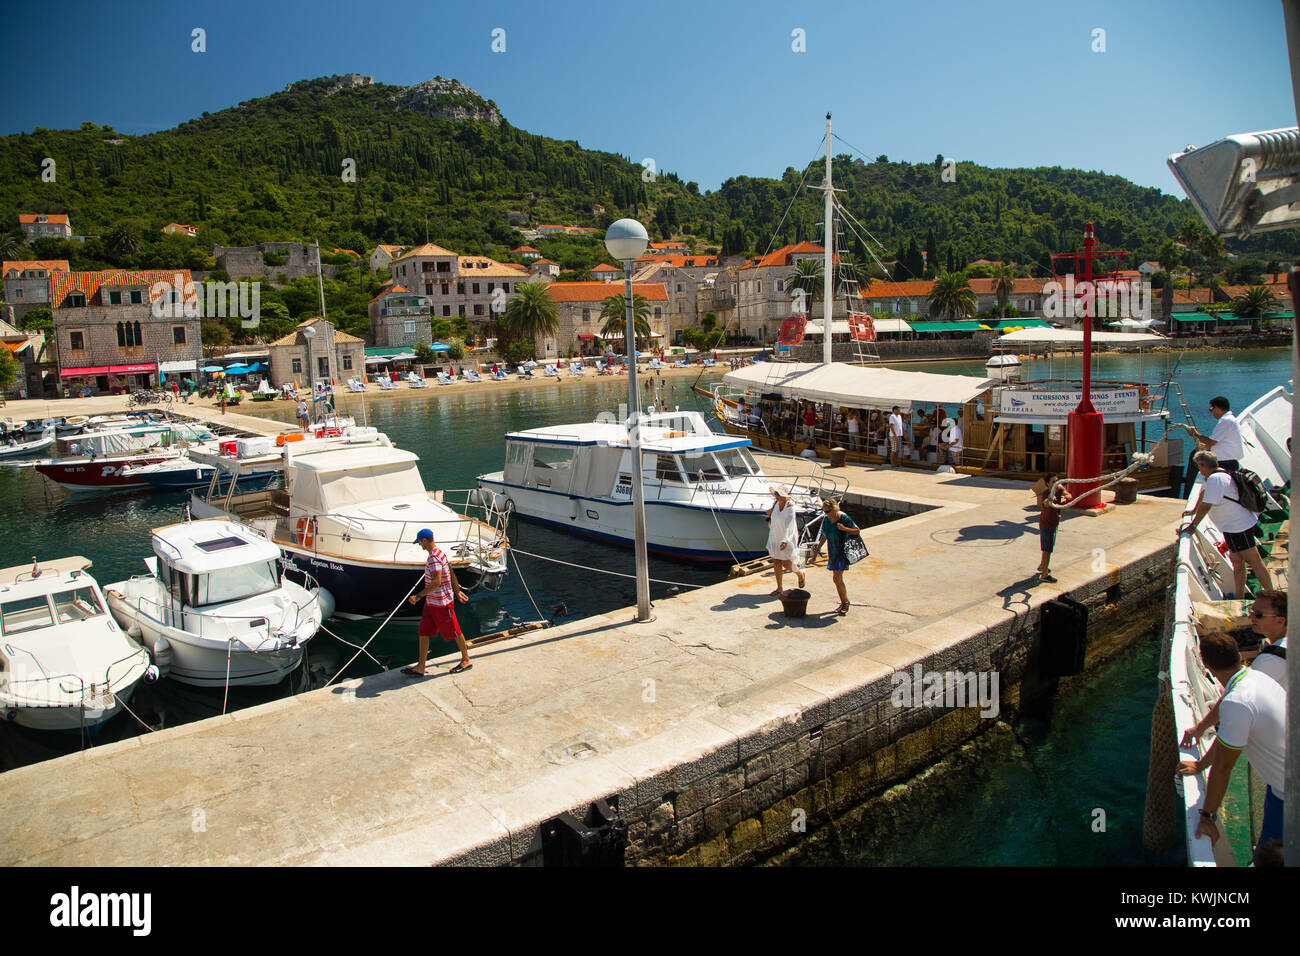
x=108, y=460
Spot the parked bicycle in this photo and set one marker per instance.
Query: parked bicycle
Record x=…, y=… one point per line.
x=146, y=396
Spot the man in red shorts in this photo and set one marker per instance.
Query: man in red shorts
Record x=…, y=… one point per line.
x=440, y=593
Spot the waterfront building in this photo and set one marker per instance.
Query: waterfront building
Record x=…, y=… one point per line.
x=27, y=284
x=456, y=285
x=763, y=296
x=399, y=317
x=114, y=327
x=336, y=356
x=578, y=306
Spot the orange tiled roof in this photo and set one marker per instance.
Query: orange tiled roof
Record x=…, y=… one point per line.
x=785, y=256
x=428, y=249
x=914, y=287
x=606, y=267
x=390, y=249
x=1020, y=287
x=544, y=262
x=524, y=249
x=600, y=291
x=682, y=262
x=54, y=217
x=89, y=283
x=292, y=337
x=22, y=265
x=389, y=290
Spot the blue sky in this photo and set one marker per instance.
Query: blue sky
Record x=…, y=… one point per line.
x=708, y=89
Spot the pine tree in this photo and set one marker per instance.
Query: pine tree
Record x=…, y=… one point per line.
x=931, y=250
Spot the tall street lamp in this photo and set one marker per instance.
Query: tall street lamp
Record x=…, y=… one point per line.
x=626, y=240
x=309, y=333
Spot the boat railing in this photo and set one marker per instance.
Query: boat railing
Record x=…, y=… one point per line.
x=68, y=683
x=221, y=627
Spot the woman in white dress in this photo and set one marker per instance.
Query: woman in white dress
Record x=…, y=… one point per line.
x=783, y=540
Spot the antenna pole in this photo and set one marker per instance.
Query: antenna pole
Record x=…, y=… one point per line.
x=828, y=279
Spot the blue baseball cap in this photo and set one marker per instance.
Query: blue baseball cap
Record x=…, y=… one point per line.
x=424, y=533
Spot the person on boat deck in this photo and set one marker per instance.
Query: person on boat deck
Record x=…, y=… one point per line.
x=441, y=591
x=1267, y=619
x=895, y=436
x=836, y=526
x=1225, y=440
x=953, y=447
x=1240, y=529
x=783, y=539
x=854, y=429
x=809, y=420
x=1252, y=718
x=1049, y=519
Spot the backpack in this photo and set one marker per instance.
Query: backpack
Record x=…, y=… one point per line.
x=1251, y=493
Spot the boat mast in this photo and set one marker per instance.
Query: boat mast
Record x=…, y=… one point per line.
x=828, y=281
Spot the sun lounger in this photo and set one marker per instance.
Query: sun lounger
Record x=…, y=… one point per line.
x=445, y=379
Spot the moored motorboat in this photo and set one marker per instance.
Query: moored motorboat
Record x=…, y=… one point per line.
x=14, y=448
x=64, y=662
x=216, y=606
x=706, y=498
x=102, y=460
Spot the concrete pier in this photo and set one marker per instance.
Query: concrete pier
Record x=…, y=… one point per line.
x=720, y=728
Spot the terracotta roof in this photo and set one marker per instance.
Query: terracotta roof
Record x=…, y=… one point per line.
x=391, y=250
x=682, y=262
x=292, y=337
x=544, y=262
x=390, y=290
x=22, y=265
x=524, y=249
x=600, y=291
x=179, y=225
x=581, y=229
x=89, y=283
x=349, y=252
x=667, y=245
x=606, y=267
x=785, y=256
x=473, y=266
x=428, y=249
x=1019, y=287
x=881, y=290
x=54, y=217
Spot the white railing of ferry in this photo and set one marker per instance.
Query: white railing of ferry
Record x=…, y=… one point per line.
x=188, y=614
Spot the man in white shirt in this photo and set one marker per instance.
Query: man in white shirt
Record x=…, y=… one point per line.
x=1225, y=440
x=953, y=447
x=1240, y=529
x=1252, y=719
x=895, y=436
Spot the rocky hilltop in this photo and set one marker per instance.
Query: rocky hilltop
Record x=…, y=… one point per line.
x=446, y=99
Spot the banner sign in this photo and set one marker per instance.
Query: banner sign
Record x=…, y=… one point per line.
x=1044, y=404
x=792, y=330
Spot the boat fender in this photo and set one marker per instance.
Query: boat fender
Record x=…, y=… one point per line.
x=11, y=715
x=133, y=631
x=151, y=673
x=326, y=602
x=162, y=655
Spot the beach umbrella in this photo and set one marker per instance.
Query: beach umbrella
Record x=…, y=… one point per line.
x=211, y=368
x=377, y=360
x=256, y=367
x=439, y=347
x=237, y=370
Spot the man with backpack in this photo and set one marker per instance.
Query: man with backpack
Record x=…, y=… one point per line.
x=1221, y=498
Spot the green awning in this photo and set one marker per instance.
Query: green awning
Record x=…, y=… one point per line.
x=944, y=326
x=1192, y=317
x=388, y=352
x=1279, y=315
x=1021, y=323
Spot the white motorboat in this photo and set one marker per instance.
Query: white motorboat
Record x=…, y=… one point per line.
x=100, y=459
x=13, y=448
x=1202, y=578
x=706, y=498
x=64, y=663
x=214, y=608
x=348, y=515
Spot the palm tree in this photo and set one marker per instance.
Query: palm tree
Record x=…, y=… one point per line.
x=12, y=247
x=1004, y=283
x=1254, y=303
x=530, y=313
x=1169, y=260
x=952, y=295
x=614, y=314
x=123, y=240
x=808, y=278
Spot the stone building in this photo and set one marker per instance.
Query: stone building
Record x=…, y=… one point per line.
x=40, y=225
x=578, y=306
x=399, y=317
x=763, y=296
x=334, y=355
x=456, y=285
x=38, y=376
x=27, y=283
x=383, y=256
x=296, y=260
x=112, y=329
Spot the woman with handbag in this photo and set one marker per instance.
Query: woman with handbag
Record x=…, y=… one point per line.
x=843, y=547
x=783, y=539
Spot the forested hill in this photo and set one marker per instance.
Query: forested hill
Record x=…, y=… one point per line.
x=438, y=160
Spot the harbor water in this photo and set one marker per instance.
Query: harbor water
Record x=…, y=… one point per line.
x=1026, y=798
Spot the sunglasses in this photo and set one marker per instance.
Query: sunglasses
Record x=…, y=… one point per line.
x=1253, y=613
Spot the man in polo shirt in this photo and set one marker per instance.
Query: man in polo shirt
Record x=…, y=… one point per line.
x=440, y=592
x=1240, y=529
x=1225, y=440
x=1252, y=719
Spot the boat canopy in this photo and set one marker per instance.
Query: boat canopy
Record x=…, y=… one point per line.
x=1075, y=337
x=201, y=547
x=328, y=481
x=856, y=386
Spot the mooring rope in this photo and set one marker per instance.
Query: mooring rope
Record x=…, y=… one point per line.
x=350, y=644
x=396, y=608
x=118, y=698
x=583, y=567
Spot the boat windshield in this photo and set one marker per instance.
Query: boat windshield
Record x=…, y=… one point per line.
x=718, y=465
x=27, y=614
x=77, y=605
x=234, y=584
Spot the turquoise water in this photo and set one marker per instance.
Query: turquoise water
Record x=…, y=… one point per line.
x=1028, y=799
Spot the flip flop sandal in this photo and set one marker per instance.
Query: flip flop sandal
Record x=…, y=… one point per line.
x=462, y=667
x=842, y=609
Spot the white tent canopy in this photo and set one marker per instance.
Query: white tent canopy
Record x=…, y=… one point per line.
x=856, y=386
x=1075, y=337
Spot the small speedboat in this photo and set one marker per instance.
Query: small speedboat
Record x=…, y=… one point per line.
x=64, y=662
x=14, y=448
x=215, y=609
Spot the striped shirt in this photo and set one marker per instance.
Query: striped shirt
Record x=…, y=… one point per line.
x=443, y=594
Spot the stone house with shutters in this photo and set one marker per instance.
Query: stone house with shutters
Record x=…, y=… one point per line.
x=27, y=283
x=114, y=327
x=454, y=285
x=39, y=225
x=399, y=317
x=334, y=356
x=578, y=306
